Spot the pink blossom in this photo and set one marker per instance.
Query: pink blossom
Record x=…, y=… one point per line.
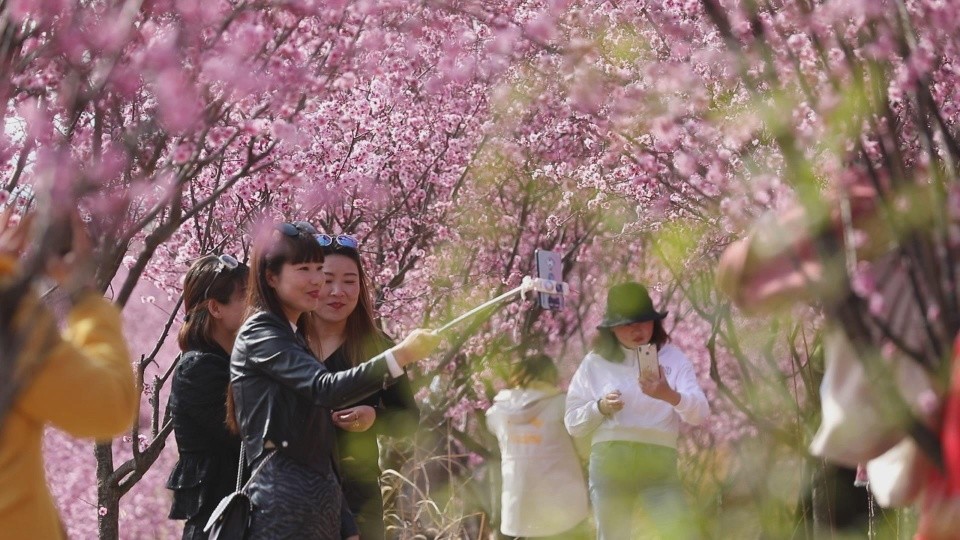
x=179, y=106
x=182, y=153
x=504, y=41
x=876, y=304
x=863, y=281
x=685, y=164
x=542, y=27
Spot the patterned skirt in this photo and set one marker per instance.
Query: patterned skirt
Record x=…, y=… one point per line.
x=292, y=500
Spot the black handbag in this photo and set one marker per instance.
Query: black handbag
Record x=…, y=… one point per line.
x=231, y=518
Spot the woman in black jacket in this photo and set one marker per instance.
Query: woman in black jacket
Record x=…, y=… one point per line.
x=283, y=396
x=344, y=336
x=214, y=301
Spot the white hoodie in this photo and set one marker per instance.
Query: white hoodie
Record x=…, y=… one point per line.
x=643, y=419
x=544, y=492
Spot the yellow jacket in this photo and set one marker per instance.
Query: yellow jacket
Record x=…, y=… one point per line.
x=81, y=381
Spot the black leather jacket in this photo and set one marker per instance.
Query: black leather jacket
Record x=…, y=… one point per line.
x=284, y=395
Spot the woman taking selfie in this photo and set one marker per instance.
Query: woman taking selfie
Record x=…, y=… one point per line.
x=284, y=396
x=214, y=301
x=343, y=336
x=633, y=417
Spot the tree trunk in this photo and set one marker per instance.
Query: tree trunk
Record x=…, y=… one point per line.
x=108, y=496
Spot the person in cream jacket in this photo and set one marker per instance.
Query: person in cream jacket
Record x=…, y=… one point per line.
x=544, y=493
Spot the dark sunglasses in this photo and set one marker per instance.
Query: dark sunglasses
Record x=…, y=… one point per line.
x=295, y=228
x=342, y=240
x=224, y=262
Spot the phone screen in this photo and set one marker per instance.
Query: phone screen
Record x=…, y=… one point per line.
x=550, y=266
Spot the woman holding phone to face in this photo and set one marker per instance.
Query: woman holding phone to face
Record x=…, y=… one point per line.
x=344, y=336
x=284, y=396
x=633, y=418
x=214, y=300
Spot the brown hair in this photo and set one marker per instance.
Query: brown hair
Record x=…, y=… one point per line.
x=539, y=367
x=362, y=339
x=207, y=279
x=608, y=346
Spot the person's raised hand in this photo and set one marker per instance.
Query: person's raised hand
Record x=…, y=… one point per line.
x=13, y=237
x=74, y=270
x=416, y=346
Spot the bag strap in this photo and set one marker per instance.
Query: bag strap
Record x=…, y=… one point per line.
x=255, y=471
x=240, y=468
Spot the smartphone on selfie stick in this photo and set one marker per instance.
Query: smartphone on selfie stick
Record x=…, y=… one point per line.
x=550, y=268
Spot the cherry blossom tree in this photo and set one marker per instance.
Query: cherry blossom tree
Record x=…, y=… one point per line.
x=706, y=114
x=635, y=138
x=172, y=125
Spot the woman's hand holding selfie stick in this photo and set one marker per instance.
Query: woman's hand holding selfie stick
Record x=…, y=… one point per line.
x=415, y=347
x=71, y=267
x=13, y=238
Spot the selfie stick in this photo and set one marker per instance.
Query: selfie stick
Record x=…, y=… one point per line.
x=528, y=284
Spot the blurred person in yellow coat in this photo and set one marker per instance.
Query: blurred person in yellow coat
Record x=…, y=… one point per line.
x=79, y=380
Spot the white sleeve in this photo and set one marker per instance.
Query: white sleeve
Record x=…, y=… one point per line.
x=494, y=423
x=392, y=366
x=582, y=415
x=693, y=407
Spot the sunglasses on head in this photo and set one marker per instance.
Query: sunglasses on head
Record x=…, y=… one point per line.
x=295, y=228
x=224, y=262
x=341, y=240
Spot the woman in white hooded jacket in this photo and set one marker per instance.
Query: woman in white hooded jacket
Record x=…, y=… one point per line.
x=544, y=492
x=633, y=416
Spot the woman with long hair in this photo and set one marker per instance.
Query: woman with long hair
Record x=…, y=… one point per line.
x=632, y=416
x=284, y=396
x=344, y=336
x=214, y=302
